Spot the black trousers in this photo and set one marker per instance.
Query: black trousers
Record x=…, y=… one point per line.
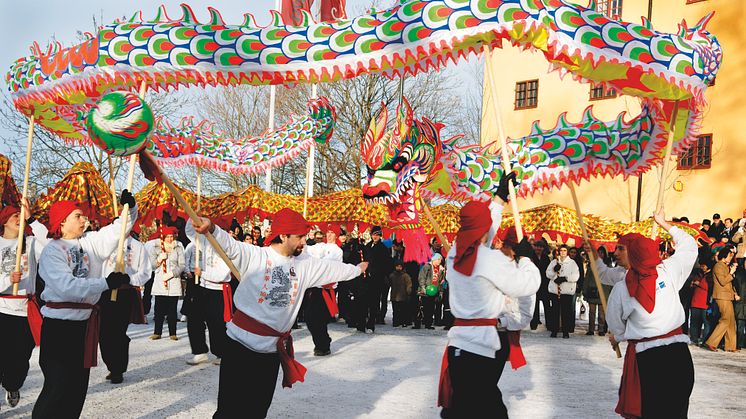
x=15, y=351
x=115, y=319
x=428, y=310
x=544, y=299
x=344, y=291
x=400, y=312
x=206, y=313
x=366, y=305
x=61, y=359
x=562, y=313
x=165, y=307
x=383, y=297
x=666, y=381
x=317, y=318
x=247, y=382
x=474, y=381
x=447, y=316
x=147, y=297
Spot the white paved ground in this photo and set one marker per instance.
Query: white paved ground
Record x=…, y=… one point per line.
x=391, y=374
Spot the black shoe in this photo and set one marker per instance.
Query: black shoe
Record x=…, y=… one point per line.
x=553, y=335
x=589, y=333
x=565, y=336
x=351, y=325
x=429, y=328
x=320, y=352
x=13, y=397
x=602, y=333
x=447, y=328
x=533, y=327
x=108, y=376
x=416, y=327
x=116, y=378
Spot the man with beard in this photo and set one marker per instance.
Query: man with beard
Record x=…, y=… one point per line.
x=273, y=282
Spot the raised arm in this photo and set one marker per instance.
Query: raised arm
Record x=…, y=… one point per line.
x=324, y=271
x=680, y=264
x=104, y=242
x=514, y=280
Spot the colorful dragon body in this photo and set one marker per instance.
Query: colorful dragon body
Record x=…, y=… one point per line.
x=411, y=160
x=61, y=83
x=203, y=145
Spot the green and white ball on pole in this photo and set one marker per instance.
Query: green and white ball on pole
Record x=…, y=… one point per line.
x=120, y=123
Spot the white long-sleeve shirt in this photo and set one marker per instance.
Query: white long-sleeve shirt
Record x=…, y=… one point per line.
x=27, y=286
x=517, y=313
x=215, y=272
x=568, y=269
x=71, y=269
x=482, y=294
x=136, y=263
x=627, y=319
x=272, y=286
x=174, y=267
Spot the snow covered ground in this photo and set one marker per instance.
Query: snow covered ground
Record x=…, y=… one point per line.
x=391, y=374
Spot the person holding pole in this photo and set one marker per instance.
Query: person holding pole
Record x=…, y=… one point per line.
x=71, y=267
x=20, y=319
x=116, y=316
x=479, y=279
x=644, y=309
x=273, y=282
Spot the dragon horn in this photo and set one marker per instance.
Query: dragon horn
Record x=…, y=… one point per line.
x=702, y=24
x=188, y=15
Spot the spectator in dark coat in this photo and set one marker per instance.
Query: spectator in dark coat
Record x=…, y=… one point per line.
x=401, y=288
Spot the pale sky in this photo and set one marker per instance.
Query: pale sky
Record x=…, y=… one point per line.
x=22, y=23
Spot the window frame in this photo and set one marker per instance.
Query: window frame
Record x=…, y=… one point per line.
x=606, y=92
x=698, y=156
x=526, y=97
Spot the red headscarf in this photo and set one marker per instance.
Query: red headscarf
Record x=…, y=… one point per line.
x=641, y=277
x=333, y=228
x=166, y=230
x=475, y=222
x=509, y=237
x=287, y=221
x=58, y=214
x=6, y=213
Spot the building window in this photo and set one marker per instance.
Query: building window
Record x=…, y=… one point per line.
x=698, y=156
x=600, y=92
x=526, y=94
x=611, y=8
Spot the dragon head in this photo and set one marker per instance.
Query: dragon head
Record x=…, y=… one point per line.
x=709, y=53
x=400, y=161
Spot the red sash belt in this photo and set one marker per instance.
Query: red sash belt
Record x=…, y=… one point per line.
x=327, y=291
x=33, y=316
x=292, y=370
x=228, y=302
x=515, y=356
x=630, y=395
x=90, y=357
x=445, y=389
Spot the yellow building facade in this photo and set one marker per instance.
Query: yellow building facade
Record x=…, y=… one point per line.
x=698, y=193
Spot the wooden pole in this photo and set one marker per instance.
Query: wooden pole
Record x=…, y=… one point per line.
x=125, y=215
x=664, y=172
x=199, y=208
x=190, y=212
x=112, y=185
x=594, y=268
x=24, y=197
x=436, y=226
x=505, y=157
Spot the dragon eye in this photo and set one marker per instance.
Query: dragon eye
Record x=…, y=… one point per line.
x=399, y=163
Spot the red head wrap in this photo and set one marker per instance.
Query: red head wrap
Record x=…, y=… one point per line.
x=6, y=213
x=166, y=230
x=287, y=221
x=509, y=236
x=333, y=228
x=642, y=253
x=58, y=214
x=475, y=222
